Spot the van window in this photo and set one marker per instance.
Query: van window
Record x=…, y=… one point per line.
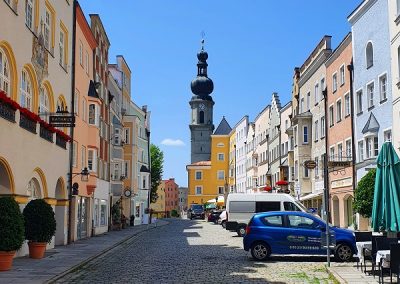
x=290, y=206
x=241, y=207
x=265, y=206
x=272, y=221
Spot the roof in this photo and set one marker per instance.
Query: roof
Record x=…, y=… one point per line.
x=372, y=125
x=223, y=128
x=201, y=163
x=92, y=90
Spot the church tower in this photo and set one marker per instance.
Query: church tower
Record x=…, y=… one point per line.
x=201, y=124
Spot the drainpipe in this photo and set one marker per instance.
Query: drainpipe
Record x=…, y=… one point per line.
x=71, y=128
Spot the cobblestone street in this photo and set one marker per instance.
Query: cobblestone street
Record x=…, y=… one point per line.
x=194, y=252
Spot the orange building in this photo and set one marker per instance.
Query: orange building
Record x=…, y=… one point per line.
x=171, y=195
x=340, y=132
x=86, y=135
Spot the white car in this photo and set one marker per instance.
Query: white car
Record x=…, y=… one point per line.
x=222, y=219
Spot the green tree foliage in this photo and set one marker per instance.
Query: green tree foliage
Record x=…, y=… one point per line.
x=40, y=221
x=11, y=225
x=174, y=213
x=364, y=194
x=157, y=168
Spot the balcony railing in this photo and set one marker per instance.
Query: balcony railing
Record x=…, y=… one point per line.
x=60, y=141
x=7, y=112
x=46, y=134
x=27, y=123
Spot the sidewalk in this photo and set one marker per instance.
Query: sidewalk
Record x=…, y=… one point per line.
x=348, y=273
x=63, y=259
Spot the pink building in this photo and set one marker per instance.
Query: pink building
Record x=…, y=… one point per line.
x=339, y=132
x=171, y=195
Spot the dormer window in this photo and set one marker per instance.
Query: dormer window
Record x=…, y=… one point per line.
x=369, y=53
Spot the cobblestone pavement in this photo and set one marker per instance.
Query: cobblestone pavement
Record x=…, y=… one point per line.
x=194, y=252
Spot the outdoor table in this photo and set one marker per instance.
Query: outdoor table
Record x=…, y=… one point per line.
x=360, y=247
x=384, y=256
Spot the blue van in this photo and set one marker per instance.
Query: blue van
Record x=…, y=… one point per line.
x=293, y=232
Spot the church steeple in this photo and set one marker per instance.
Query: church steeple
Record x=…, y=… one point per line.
x=201, y=125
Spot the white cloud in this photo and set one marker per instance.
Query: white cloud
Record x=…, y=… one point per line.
x=172, y=142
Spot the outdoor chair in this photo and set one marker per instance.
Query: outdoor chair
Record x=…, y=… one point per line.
x=394, y=264
x=371, y=254
x=362, y=237
x=382, y=243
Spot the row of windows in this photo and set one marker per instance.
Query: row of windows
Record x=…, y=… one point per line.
x=220, y=175
x=370, y=90
x=368, y=148
x=199, y=190
x=305, y=101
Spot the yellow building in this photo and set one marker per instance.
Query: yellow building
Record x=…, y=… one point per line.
x=232, y=160
x=209, y=179
x=159, y=206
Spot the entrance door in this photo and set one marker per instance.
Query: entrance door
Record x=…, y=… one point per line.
x=82, y=218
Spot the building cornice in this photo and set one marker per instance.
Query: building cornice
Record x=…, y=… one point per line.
x=338, y=51
x=360, y=11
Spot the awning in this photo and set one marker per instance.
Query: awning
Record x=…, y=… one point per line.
x=282, y=182
x=220, y=200
x=311, y=196
x=285, y=163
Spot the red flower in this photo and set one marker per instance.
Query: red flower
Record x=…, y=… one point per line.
x=8, y=101
x=63, y=135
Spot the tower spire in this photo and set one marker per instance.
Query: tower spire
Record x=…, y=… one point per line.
x=202, y=40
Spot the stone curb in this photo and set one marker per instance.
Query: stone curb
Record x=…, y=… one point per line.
x=76, y=267
x=335, y=275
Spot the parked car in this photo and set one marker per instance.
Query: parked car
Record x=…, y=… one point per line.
x=222, y=219
x=241, y=207
x=213, y=216
x=295, y=233
x=196, y=211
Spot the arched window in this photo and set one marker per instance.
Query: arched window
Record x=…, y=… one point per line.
x=44, y=106
x=26, y=91
x=369, y=53
x=4, y=73
x=201, y=118
x=60, y=105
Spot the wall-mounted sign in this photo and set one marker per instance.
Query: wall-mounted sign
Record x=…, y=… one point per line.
x=310, y=164
x=338, y=164
x=63, y=119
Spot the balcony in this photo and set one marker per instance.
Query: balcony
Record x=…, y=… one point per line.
x=46, y=134
x=60, y=141
x=27, y=123
x=7, y=112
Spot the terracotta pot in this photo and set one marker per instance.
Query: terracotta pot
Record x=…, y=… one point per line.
x=36, y=250
x=6, y=260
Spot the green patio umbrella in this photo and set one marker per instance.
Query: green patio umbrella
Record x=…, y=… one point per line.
x=386, y=206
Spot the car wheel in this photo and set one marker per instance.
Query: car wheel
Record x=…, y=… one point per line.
x=241, y=231
x=223, y=224
x=260, y=251
x=343, y=252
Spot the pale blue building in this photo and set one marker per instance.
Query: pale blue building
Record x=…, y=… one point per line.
x=372, y=93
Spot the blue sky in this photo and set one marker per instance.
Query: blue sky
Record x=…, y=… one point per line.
x=253, y=47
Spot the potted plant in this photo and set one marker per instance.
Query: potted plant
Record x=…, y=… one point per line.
x=11, y=232
x=40, y=226
x=116, y=216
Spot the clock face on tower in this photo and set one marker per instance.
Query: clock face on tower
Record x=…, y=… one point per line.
x=202, y=106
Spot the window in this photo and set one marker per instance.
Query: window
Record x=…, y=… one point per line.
x=306, y=173
x=305, y=134
x=116, y=171
x=92, y=160
x=387, y=135
x=242, y=207
x=296, y=169
x=340, y=151
x=360, y=151
x=272, y=221
x=92, y=114
x=347, y=104
x=322, y=126
x=220, y=190
x=302, y=105
x=83, y=156
x=369, y=54
x=201, y=117
x=342, y=78
x=265, y=206
x=334, y=82
x=332, y=153
x=290, y=206
x=76, y=102
x=74, y=154
x=4, y=73
x=316, y=93
x=348, y=149
x=301, y=222
x=26, y=91
x=382, y=88
x=83, y=109
x=339, y=110
x=126, y=170
x=62, y=48
x=47, y=28
x=29, y=13
x=87, y=62
x=331, y=116
x=117, y=136
x=44, y=105
x=221, y=157
x=103, y=212
x=198, y=190
x=316, y=167
x=322, y=87
x=96, y=212
x=126, y=135
x=308, y=101
x=359, y=102
x=316, y=129
x=81, y=53
x=370, y=94
x=221, y=175
x=372, y=147
x=199, y=175
x=295, y=136
x=398, y=7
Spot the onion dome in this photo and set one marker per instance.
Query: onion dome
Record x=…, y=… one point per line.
x=202, y=85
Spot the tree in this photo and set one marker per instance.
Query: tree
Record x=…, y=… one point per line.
x=157, y=163
x=364, y=194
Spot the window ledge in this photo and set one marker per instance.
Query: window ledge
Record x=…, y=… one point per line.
x=338, y=121
x=383, y=101
x=397, y=20
x=359, y=113
x=371, y=108
x=64, y=67
x=370, y=66
x=347, y=115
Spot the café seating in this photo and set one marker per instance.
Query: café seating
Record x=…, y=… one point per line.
x=382, y=243
x=362, y=237
x=394, y=263
x=371, y=254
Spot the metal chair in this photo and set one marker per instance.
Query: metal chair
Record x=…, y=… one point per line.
x=371, y=254
x=362, y=237
x=394, y=263
x=382, y=243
